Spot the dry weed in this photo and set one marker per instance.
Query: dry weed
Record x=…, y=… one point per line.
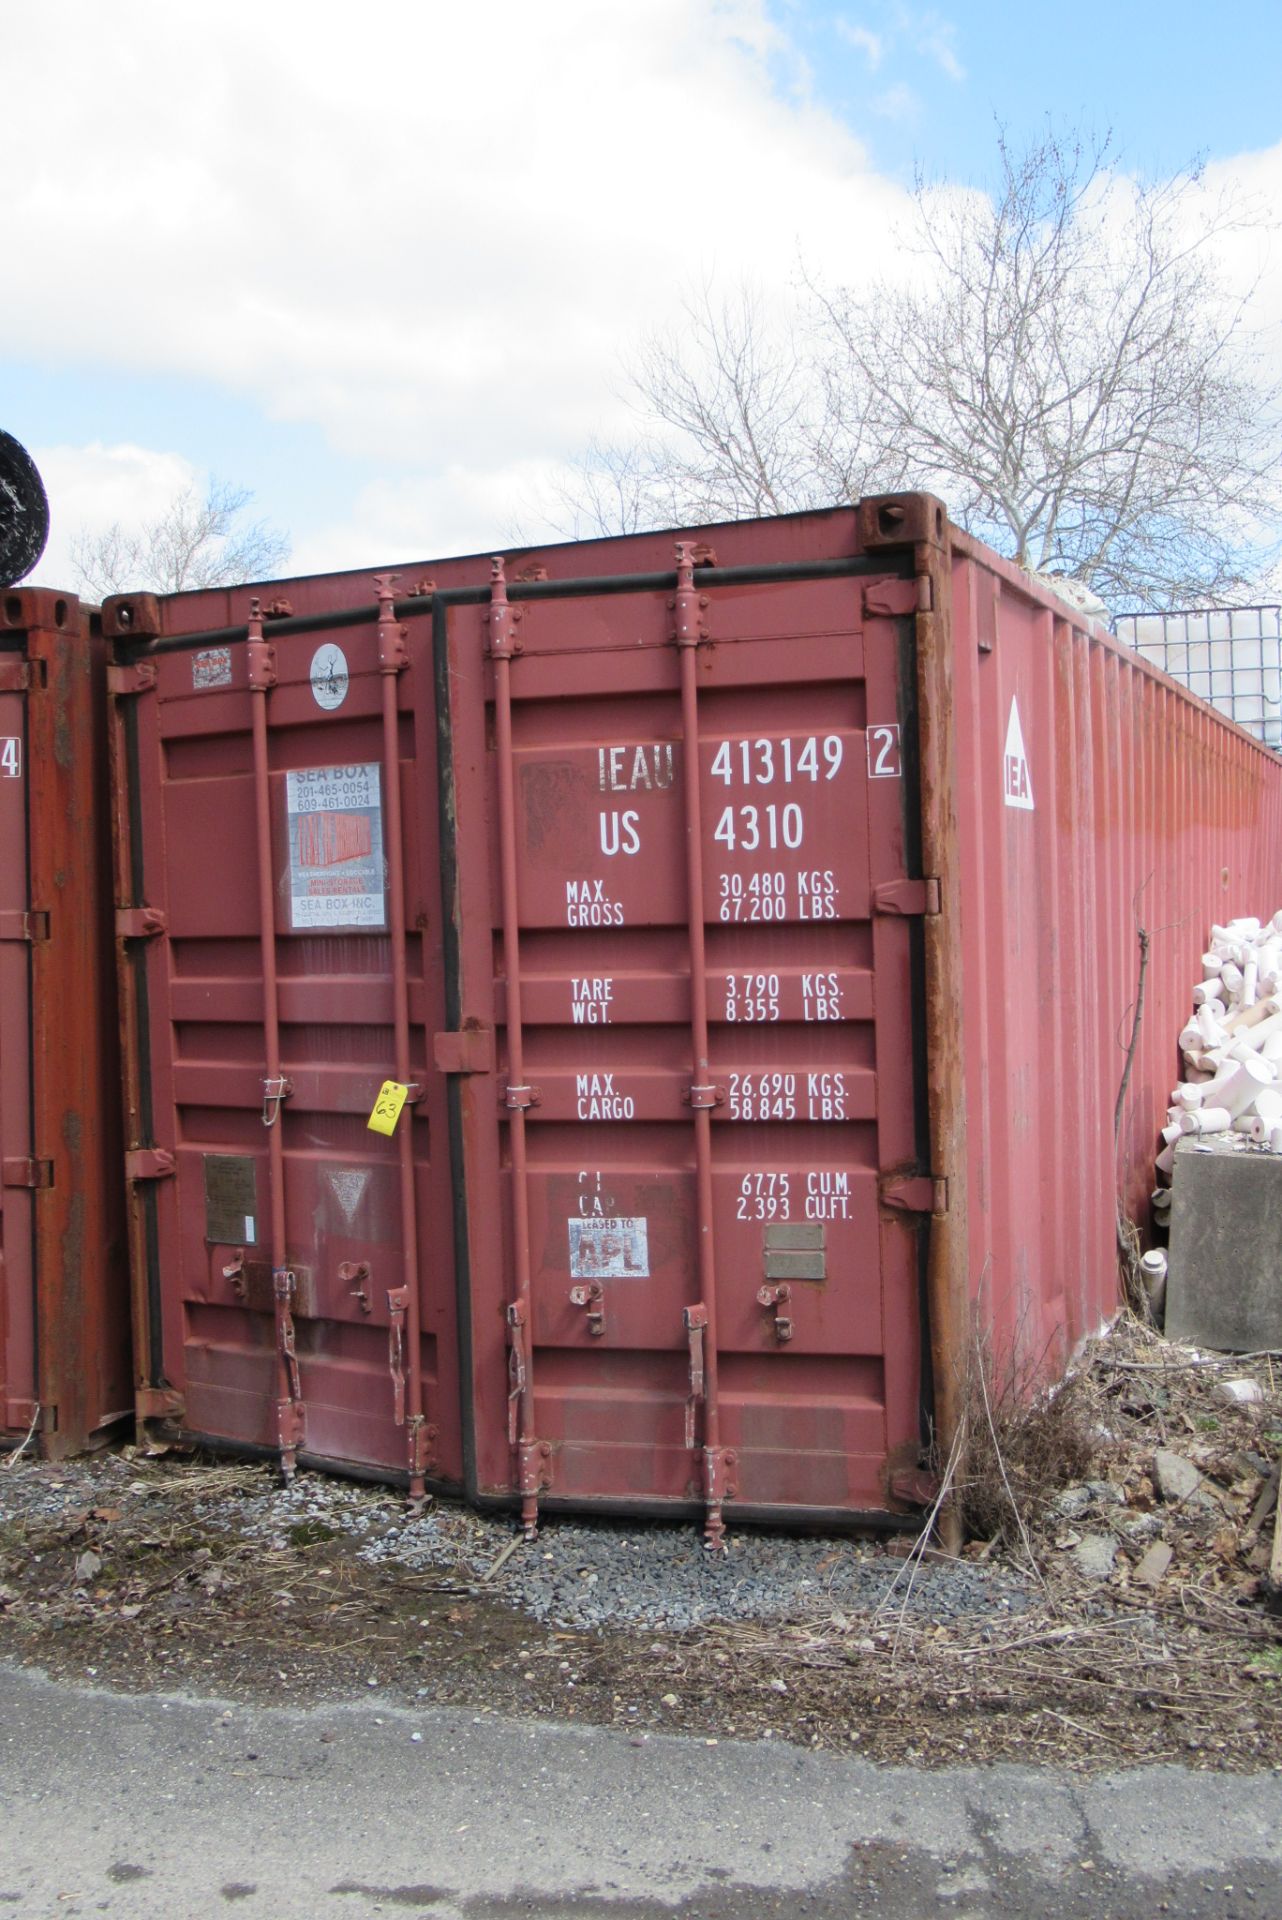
x=1027, y=1436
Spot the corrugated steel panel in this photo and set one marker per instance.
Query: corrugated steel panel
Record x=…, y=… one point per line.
x=772, y=911
x=64, y=1324
x=1137, y=806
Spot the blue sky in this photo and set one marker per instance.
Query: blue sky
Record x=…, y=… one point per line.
x=384, y=267
x=925, y=86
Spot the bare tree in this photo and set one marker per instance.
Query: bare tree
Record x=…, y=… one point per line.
x=739, y=420
x=611, y=488
x=1069, y=372
x=1061, y=361
x=200, y=540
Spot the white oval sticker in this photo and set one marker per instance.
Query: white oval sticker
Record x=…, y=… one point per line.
x=329, y=676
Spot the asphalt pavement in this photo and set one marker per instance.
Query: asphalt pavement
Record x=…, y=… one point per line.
x=170, y=1806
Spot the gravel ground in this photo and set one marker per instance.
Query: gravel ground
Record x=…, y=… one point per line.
x=653, y=1576
x=1128, y=1617
x=575, y=1576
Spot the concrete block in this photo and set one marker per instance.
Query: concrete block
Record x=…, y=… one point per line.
x=1224, y=1282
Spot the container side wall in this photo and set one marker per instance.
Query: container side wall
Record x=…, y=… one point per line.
x=1098, y=798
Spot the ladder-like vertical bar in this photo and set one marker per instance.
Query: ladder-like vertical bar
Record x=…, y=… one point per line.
x=276, y=1088
x=531, y=1457
x=701, y=1319
x=393, y=658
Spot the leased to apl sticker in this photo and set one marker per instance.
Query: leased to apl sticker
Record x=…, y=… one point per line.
x=609, y=1249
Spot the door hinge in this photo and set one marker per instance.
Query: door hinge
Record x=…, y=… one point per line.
x=139, y=923
x=24, y=926
x=421, y=1448
x=30, y=1416
x=27, y=1173
x=913, y=1193
x=907, y=897
x=148, y=1163
x=138, y=677
x=159, y=1403
x=17, y=676
x=890, y=598
x=471, y=1050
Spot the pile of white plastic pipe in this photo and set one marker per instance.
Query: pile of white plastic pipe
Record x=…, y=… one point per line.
x=1232, y=1046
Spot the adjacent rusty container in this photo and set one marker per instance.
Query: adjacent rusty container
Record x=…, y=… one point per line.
x=65, y=1373
x=758, y=939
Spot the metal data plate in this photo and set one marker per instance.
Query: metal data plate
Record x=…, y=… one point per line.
x=231, y=1200
x=794, y=1250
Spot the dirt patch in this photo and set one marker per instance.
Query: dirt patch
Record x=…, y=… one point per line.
x=178, y=1573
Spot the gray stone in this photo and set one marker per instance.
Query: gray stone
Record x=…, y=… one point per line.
x=1224, y=1288
x=1176, y=1477
x=1093, y=1556
x=1073, y=1502
x=1151, y=1570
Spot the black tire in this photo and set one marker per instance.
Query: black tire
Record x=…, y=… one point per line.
x=24, y=512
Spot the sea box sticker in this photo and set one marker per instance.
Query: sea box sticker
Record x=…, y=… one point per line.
x=336, y=868
x=609, y=1249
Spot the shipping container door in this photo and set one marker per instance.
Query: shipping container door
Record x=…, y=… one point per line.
x=208, y=1307
x=17, y=1291
x=801, y=1258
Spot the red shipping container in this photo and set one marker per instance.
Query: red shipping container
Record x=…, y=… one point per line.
x=65, y=1373
x=770, y=915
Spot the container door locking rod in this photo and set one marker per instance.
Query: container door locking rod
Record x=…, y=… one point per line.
x=689, y=629
x=393, y=658
x=531, y=1457
x=290, y=1425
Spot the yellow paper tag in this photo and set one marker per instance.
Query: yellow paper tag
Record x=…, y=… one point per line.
x=387, y=1108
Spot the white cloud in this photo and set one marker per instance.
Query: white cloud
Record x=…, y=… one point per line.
x=864, y=41
x=430, y=231
x=936, y=38
x=898, y=103
x=928, y=33
x=89, y=487
x=427, y=231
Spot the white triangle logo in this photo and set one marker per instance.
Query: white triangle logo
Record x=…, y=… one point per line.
x=1017, y=783
x=348, y=1187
